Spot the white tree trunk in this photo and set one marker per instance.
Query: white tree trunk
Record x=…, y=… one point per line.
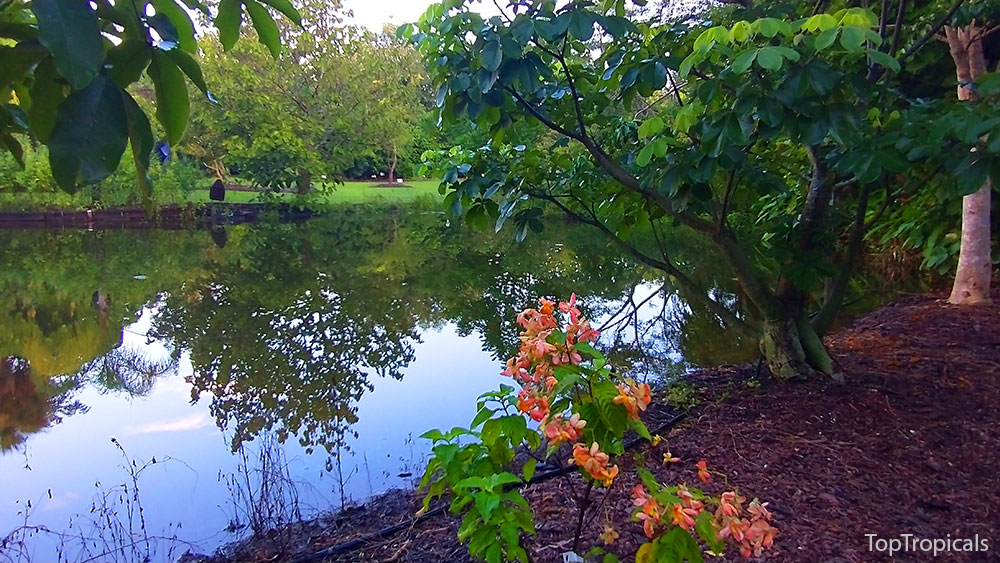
x=972, y=279
x=975, y=266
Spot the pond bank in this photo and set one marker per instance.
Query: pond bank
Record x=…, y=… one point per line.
x=170, y=217
x=908, y=445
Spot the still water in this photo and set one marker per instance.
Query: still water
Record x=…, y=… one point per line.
x=151, y=381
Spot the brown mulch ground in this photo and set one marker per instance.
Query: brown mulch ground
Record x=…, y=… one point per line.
x=909, y=444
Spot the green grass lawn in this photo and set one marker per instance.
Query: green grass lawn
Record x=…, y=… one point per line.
x=340, y=194
x=350, y=192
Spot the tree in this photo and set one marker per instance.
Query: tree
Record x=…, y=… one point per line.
x=975, y=264
x=335, y=94
x=766, y=137
x=68, y=66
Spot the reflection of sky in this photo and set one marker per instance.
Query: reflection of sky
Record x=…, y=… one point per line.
x=187, y=484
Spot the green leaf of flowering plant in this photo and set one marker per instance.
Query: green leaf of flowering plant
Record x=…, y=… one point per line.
x=69, y=29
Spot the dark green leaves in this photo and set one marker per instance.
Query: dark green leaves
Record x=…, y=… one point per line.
x=581, y=24
x=190, y=68
x=743, y=61
x=172, y=103
x=286, y=8
x=768, y=59
x=46, y=95
x=90, y=135
x=127, y=60
x=852, y=38
x=180, y=21
x=267, y=29
x=18, y=60
x=141, y=136
x=228, y=22
x=492, y=55
x=70, y=30
x=882, y=59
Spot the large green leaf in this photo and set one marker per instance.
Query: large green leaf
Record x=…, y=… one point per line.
x=127, y=60
x=46, y=95
x=172, y=103
x=18, y=61
x=190, y=67
x=181, y=21
x=492, y=55
x=228, y=21
x=286, y=8
x=267, y=29
x=90, y=135
x=140, y=134
x=70, y=31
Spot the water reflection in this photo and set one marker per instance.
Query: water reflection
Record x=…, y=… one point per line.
x=287, y=324
x=284, y=331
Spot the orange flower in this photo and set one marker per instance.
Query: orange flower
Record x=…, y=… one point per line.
x=558, y=431
x=547, y=307
x=758, y=536
x=729, y=504
x=530, y=403
x=735, y=528
x=626, y=399
x=683, y=517
x=667, y=458
x=758, y=510
x=634, y=397
x=594, y=462
x=648, y=523
x=550, y=383
x=566, y=307
x=703, y=473
x=647, y=503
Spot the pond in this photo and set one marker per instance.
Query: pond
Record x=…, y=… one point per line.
x=162, y=391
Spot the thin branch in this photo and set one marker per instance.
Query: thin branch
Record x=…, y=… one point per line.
x=572, y=89
x=725, y=200
x=673, y=85
x=541, y=117
x=897, y=31
x=883, y=19
x=931, y=32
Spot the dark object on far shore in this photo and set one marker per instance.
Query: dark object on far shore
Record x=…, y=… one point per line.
x=220, y=236
x=217, y=192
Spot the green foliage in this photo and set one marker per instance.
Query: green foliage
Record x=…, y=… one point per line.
x=472, y=464
x=92, y=119
x=682, y=395
x=340, y=99
x=767, y=131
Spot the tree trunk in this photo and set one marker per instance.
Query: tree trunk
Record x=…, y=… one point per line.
x=793, y=351
x=304, y=182
x=393, y=159
x=791, y=347
x=972, y=279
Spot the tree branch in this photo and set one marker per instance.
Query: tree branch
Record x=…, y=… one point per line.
x=897, y=31
x=835, y=296
x=691, y=288
x=541, y=117
x=931, y=32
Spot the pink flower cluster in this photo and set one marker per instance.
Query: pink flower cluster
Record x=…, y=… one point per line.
x=752, y=531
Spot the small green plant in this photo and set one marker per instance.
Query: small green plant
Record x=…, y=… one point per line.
x=682, y=395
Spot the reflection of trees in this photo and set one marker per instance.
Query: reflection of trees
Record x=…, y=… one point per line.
x=287, y=324
x=28, y=405
x=65, y=297
x=284, y=338
x=127, y=370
